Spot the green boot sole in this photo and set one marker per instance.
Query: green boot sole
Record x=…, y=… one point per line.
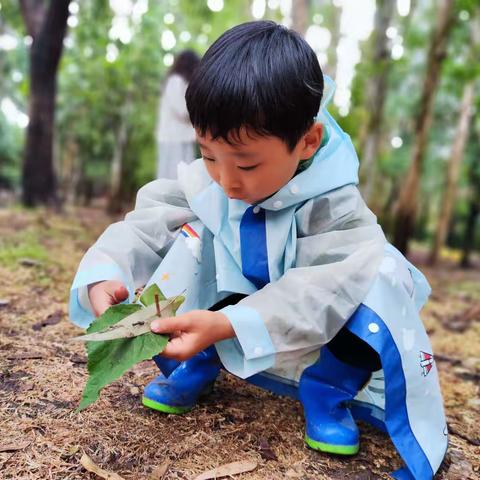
x=331, y=448
x=162, y=407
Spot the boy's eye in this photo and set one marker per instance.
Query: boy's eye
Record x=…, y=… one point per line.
x=248, y=168
x=208, y=159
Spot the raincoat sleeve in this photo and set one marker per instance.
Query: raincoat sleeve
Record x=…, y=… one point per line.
x=130, y=250
x=339, y=249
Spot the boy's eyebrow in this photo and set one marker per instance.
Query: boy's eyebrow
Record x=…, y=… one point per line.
x=202, y=145
x=237, y=153
x=244, y=154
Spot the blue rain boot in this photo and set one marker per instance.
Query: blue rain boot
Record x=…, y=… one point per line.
x=165, y=365
x=324, y=390
x=180, y=390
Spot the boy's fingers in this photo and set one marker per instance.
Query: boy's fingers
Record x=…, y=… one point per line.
x=171, y=348
x=120, y=294
x=169, y=325
x=177, y=350
x=104, y=294
x=101, y=305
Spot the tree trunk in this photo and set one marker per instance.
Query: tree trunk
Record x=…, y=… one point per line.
x=469, y=238
x=474, y=208
x=407, y=205
x=47, y=27
x=71, y=173
x=300, y=14
x=115, y=196
x=453, y=170
x=376, y=94
x=2, y=59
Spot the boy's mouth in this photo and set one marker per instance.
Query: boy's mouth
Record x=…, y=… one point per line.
x=235, y=196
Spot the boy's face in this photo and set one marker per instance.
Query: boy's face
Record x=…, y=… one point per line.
x=256, y=167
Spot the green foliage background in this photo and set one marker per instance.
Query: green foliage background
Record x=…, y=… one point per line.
x=95, y=96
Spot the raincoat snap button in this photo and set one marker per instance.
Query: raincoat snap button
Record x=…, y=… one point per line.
x=388, y=265
x=256, y=210
x=277, y=204
x=373, y=327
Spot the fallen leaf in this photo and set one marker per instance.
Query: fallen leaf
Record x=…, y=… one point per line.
x=52, y=319
x=266, y=451
x=137, y=323
x=133, y=325
x=13, y=447
x=108, y=360
x=233, y=468
x=159, y=472
x=89, y=465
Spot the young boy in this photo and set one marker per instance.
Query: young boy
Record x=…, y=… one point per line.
x=290, y=281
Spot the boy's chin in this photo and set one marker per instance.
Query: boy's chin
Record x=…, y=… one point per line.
x=241, y=199
x=249, y=200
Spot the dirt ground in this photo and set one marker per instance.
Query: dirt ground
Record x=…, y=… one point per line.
x=42, y=376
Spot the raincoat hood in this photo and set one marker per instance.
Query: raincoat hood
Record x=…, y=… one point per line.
x=334, y=165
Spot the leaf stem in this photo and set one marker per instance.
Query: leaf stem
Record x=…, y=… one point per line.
x=157, y=303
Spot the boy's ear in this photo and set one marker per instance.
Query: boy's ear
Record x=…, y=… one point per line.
x=311, y=141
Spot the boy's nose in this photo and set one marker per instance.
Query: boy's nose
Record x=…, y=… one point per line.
x=229, y=183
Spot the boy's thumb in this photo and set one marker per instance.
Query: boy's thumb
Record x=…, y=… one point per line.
x=120, y=294
x=166, y=325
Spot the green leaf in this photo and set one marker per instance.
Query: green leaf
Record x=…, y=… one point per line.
x=109, y=360
x=148, y=296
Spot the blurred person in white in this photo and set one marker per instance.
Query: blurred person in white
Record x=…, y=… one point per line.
x=175, y=134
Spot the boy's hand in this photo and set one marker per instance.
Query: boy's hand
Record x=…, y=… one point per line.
x=103, y=295
x=192, y=332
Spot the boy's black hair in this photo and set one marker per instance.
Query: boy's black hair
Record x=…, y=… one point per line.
x=258, y=75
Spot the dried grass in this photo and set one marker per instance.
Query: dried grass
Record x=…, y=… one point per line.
x=42, y=377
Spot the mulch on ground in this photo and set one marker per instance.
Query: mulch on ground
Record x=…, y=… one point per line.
x=42, y=375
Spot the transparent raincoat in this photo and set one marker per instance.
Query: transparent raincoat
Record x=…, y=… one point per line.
x=324, y=255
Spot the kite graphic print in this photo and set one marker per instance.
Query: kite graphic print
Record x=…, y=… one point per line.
x=426, y=362
x=193, y=241
x=188, y=232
